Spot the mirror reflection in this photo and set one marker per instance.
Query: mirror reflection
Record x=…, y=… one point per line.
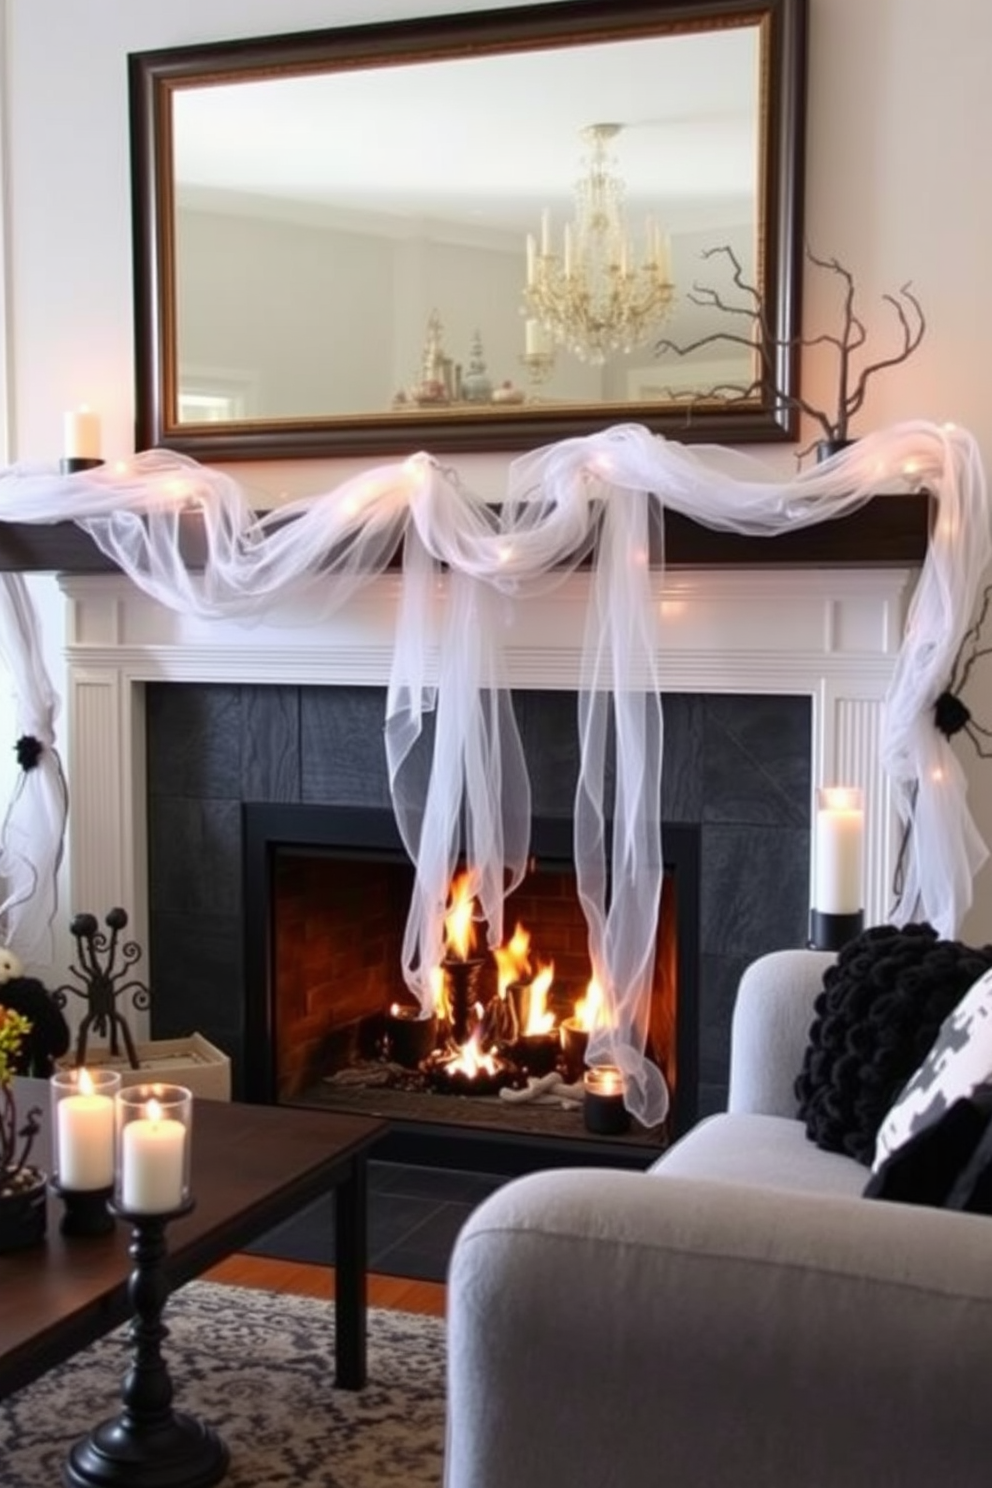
x=480, y=228
x=354, y=243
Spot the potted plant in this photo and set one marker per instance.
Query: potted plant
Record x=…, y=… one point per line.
x=23, y=1191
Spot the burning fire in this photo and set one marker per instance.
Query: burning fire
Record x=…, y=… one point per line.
x=589, y=1010
x=512, y=960
x=438, y=1000
x=540, y=1018
x=459, y=928
x=471, y=1061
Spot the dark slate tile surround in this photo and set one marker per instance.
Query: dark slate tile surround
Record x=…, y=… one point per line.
x=737, y=766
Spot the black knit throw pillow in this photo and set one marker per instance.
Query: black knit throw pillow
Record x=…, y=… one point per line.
x=881, y=1007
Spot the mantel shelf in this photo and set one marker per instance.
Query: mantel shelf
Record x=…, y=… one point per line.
x=888, y=531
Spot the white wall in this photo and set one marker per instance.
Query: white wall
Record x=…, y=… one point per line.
x=900, y=113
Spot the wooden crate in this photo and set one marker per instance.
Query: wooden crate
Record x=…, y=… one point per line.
x=193, y=1062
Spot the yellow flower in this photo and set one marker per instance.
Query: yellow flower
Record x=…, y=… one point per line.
x=14, y=1028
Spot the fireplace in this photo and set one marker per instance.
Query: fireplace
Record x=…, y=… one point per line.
x=326, y=896
x=736, y=795
x=774, y=683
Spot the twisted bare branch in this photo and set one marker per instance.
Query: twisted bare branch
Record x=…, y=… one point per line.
x=852, y=336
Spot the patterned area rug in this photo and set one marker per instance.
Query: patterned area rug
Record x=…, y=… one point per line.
x=259, y=1369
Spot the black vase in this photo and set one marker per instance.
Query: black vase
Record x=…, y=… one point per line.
x=827, y=447
x=24, y=1212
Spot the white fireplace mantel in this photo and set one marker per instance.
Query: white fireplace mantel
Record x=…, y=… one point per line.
x=831, y=635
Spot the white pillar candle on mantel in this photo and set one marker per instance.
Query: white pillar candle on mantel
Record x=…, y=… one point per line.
x=153, y=1162
x=535, y=338
x=838, y=863
x=81, y=434
x=84, y=1136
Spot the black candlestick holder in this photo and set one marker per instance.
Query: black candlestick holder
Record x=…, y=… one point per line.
x=462, y=980
x=148, y=1445
x=829, y=932
x=85, y=1212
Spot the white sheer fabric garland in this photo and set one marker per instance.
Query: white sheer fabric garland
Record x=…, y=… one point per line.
x=33, y=830
x=599, y=499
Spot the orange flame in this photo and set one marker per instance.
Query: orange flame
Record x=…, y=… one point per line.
x=471, y=1061
x=589, y=1009
x=512, y=960
x=540, y=1018
x=459, y=929
x=438, y=1001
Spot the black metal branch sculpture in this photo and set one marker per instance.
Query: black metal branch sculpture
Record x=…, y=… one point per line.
x=756, y=336
x=102, y=984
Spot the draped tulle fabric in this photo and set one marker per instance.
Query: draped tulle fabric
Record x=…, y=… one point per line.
x=454, y=755
x=33, y=830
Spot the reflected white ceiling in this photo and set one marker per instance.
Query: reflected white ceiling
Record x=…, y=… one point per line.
x=488, y=140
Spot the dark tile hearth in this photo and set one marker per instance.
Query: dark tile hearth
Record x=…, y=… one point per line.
x=415, y=1214
x=737, y=768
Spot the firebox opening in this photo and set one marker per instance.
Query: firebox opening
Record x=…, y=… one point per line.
x=332, y=887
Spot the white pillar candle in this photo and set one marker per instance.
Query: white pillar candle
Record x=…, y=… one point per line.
x=85, y=1138
x=153, y=1158
x=535, y=339
x=531, y=260
x=81, y=434
x=838, y=859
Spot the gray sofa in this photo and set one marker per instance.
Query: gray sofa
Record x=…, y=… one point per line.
x=737, y=1317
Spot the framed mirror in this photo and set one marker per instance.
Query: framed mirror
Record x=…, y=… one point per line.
x=474, y=232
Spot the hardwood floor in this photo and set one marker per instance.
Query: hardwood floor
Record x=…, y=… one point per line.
x=396, y=1292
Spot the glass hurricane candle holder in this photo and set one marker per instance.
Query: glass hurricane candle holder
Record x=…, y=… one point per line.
x=603, y=1108
x=83, y=1147
x=154, y=1131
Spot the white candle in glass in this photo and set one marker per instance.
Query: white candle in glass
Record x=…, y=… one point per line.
x=153, y=1153
x=838, y=859
x=81, y=434
x=85, y=1138
x=604, y=1079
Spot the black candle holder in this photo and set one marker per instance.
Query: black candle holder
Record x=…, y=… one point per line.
x=411, y=1034
x=603, y=1108
x=73, y=464
x=462, y=980
x=149, y=1445
x=86, y=1212
x=829, y=932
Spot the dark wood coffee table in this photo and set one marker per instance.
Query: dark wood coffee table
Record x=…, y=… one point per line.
x=252, y=1167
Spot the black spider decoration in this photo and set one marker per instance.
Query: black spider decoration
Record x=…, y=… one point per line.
x=29, y=751
x=951, y=714
x=102, y=984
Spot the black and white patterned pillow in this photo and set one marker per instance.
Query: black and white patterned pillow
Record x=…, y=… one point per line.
x=959, y=1059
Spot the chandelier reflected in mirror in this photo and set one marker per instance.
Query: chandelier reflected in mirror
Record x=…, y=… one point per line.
x=603, y=292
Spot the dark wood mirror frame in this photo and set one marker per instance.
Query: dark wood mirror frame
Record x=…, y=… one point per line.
x=154, y=76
